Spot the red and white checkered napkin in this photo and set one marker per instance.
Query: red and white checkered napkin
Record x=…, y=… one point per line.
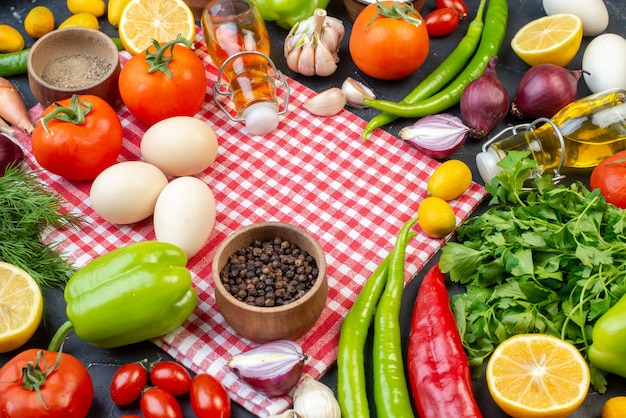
x=318, y=173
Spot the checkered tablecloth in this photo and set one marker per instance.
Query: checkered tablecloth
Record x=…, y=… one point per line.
x=353, y=196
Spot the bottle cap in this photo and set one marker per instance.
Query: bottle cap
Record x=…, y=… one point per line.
x=487, y=164
x=261, y=118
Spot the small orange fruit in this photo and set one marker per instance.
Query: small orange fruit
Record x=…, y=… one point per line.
x=436, y=217
x=450, y=180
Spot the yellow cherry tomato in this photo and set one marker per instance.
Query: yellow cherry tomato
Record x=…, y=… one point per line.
x=94, y=7
x=81, y=20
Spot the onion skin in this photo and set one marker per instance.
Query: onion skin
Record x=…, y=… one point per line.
x=544, y=90
x=484, y=102
x=272, y=368
x=437, y=136
x=10, y=153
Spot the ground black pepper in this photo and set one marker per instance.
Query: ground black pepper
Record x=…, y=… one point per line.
x=269, y=273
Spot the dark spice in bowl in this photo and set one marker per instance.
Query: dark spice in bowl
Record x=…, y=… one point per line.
x=269, y=273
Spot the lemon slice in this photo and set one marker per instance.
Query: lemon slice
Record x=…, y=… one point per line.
x=537, y=375
x=163, y=20
x=21, y=307
x=551, y=39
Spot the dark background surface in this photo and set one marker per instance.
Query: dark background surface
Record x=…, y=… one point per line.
x=103, y=363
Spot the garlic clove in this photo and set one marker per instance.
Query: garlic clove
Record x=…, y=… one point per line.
x=306, y=61
x=293, y=58
x=327, y=103
x=355, y=92
x=325, y=62
x=313, y=399
x=289, y=413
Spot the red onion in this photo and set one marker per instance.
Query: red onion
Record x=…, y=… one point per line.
x=272, y=368
x=544, y=90
x=484, y=102
x=10, y=153
x=437, y=136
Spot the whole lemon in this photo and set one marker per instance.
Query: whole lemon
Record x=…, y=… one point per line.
x=39, y=21
x=436, y=217
x=450, y=180
x=615, y=407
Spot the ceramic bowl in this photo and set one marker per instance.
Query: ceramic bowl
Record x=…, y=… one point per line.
x=354, y=7
x=263, y=324
x=73, y=61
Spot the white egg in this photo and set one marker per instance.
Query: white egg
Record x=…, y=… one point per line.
x=127, y=192
x=604, y=60
x=185, y=214
x=180, y=146
x=593, y=13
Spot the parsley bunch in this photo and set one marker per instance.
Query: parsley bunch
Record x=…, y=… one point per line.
x=547, y=259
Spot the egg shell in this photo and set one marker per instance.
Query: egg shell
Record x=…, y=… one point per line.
x=127, y=192
x=593, y=13
x=180, y=145
x=604, y=60
x=184, y=214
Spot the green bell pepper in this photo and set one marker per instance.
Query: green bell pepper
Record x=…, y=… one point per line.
x=133, y=293
x=287, y=13
x=608, y=351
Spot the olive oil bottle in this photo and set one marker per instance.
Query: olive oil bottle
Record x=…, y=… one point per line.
x=592, y=128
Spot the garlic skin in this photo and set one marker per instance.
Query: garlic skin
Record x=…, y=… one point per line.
x=289, y=413
x=355, y=93
x=327, y=103
x=313, y=399
x=311, y=46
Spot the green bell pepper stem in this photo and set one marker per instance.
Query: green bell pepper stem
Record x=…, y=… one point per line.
x=287, y=13
x=134, y=293
x=608, y=350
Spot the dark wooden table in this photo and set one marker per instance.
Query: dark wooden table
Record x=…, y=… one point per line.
x=102, y=363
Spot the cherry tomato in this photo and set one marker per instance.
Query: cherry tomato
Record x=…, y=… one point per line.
x=387, y=47
x=152, y=96
x=610, y=177
x=171, y=377
x=78, y=150
x=441, y=22
x=65, y=392
x=458, y=5
x=127, y=383
x=208, y=397
x=157, y=403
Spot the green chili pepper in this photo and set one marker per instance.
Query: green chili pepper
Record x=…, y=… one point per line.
x=133, y=293
x=441, y=75
x=490, y=42
x=13, y=63
x=608, y=350
x=391, y=393
x=287, y=13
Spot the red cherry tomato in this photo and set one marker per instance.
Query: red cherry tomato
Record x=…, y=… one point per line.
x=610, y=177
x=208, y=397
x=171, y=377
x=127, y=383
x=458, y=5
x=157, y=403
x=441, y=22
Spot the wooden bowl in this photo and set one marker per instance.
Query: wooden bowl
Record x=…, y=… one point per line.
x=354, y=7
x=263, y=324
x=73, y=61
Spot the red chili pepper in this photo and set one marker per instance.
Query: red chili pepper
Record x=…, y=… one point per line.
x=439, y=371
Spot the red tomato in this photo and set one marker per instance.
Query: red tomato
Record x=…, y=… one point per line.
x=458, y=5
x=78, y=150
x=66, y=391
x=441, y=22
x=171, y=377
x=127, y=383
x=610, y=177
x=208, y=397
x=152, y=96
x=386, y=46
x=157, y=403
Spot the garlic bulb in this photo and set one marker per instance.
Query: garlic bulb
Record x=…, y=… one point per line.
x=327, y=103
x=289, y=413
x=311, y=46
x=313, y=399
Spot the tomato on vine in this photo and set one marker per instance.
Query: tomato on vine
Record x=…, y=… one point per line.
x=389, y=40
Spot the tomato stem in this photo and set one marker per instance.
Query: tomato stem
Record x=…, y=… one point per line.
x=398, y=10
x=158, y=61
x=34, y=374
x=74, y=114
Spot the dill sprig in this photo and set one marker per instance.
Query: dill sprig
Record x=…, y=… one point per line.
x=27, y=208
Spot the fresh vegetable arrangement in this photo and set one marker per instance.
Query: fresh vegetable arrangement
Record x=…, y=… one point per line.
x=551, y=263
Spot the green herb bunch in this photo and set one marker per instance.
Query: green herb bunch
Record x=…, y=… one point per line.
x=545, y=259
x=27, y=209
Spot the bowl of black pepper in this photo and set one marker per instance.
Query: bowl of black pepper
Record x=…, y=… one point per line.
x=270, y=281
x=74, y=60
